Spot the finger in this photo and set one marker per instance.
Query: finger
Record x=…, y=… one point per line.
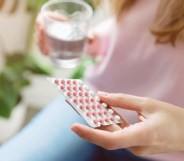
x=102, y=138
x=39, y=23
x=90, y=38
x=42, y=42
x=135, y=135
x=93, y=41
x=123, y=100
x=124, y=122
x=46, y=45
x=55, y=15
x=110, y=128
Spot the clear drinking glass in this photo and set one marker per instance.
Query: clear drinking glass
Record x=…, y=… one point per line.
x=66, y=27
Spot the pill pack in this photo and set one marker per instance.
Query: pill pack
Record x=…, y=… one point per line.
x=86, y=103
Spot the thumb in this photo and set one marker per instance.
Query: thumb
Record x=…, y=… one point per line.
x=93, y=42
x=124, y=101
x=55, y=16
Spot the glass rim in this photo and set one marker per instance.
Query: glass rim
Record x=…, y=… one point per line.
x=80, y=2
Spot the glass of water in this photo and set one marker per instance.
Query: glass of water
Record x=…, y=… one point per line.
x=66, y=27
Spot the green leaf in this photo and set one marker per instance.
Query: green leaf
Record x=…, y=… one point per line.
x=91, y=3
x=78, y=73
x=37, y=67
x=14, y=77
x=8, y=100
x=34, y=5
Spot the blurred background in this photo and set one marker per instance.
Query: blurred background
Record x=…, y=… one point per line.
x=24, y=90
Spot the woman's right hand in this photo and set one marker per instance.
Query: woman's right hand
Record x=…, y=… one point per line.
x=41, y=39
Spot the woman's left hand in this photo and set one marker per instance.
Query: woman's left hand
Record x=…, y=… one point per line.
x=160, y=127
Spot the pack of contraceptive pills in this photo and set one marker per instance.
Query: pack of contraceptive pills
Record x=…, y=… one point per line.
x=86, y=102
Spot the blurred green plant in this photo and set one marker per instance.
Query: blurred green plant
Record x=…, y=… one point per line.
x=34, y=5
x=79, y=71
x=15, y=77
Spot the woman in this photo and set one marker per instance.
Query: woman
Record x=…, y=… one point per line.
x=143, y=55
x=143, y=51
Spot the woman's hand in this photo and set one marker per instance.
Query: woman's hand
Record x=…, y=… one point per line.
x=41, y=40
x=40, y=35
x=160, y=127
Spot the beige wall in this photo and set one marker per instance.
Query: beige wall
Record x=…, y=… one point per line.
x=14, y=27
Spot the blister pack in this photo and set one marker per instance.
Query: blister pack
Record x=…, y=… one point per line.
x=86, y=102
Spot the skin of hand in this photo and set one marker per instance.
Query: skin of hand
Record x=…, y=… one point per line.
x=40, y=34
x=160, y=127
x=41, y=39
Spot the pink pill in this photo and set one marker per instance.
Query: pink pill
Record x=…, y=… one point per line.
x=74, y=93
x=95, y=121
x=93, y=107
x=86, y=94
x=87, y=100
x=80, y=93
x=87, y=107
x=105, y=112
x=68, y=88
x=88, y=113
x=101, y=120
x=94, y=113
x=99, y=105
x=62, y=87
x=68, y=81
x=69, y=94
x=74, y=82
x=75, y=100
x=112, y=118
x=107, y=119
x=81, y=107
x=62, y=81
x=92, y=99
x=56, y=81
x=75, y=88
x=80, y=88
x=81, y=100
x=100, y=113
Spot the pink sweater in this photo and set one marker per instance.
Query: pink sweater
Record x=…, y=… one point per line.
x=134, y=64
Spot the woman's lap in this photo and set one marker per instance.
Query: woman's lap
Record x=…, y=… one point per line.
x=48, y=137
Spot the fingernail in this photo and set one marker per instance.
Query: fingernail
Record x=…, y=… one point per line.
x=104, y=94
x=75, y=130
